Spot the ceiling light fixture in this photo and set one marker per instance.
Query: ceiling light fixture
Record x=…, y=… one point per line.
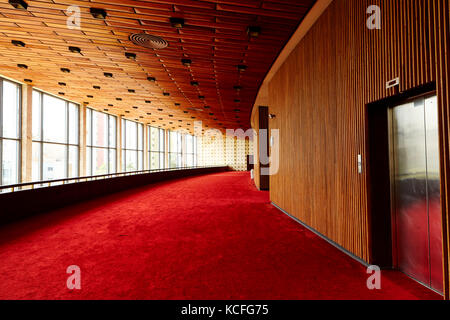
x=96, y=87
x=151, y=79
x=130, y=55
x=254, y=31
x=148, y=101
x=177, y=22
x=194, y=83
x=62, y=84
x=18, y=43
x=22, y=66
x=28, y=80
x=98, y=13
x=166, y=94
x=75, y=49
x=186, y=62
x=108, y=74
x=65, y=70
x=18, y=4
x=131, y=91
x=242, y=67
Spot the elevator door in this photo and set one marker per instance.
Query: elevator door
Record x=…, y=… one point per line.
x=416, y=191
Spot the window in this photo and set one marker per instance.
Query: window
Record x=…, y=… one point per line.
x=156, y=148
x=9, y=132
x=190, y=151
x=175, y=149
x=101, y=143
x=132, y=146
x=55, y=138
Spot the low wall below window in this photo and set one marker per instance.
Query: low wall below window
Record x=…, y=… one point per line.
x=26, y=203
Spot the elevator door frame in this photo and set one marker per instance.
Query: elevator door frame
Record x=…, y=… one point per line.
x=392, y=172
x=379, y=202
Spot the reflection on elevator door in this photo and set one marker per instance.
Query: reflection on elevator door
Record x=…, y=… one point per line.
x=416, y=191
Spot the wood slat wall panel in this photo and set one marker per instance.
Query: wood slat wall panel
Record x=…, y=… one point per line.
x=319, y=97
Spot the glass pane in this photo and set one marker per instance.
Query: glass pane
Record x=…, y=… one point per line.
x=112, y=161
x=10, y=110
x=36, y=115
x=154, y=160
x=99, y=161
x=161, y=140
x=10, y=162
x=112, y=131
x=123, y=128
x=180, y=145
x=36, y=167
x=88, y=127
x=162, y=165
x=131, y=135
x=140, y=145
x=124, y=159
x=154, y=139
x=73, y=162
x=54, y=113
x=54, y=161
x=73, y=123
x=88, y=161
x=100, y=129
x=131, y=161
x=189, y=144
x=173, y=141
x=172, y=160
x=140, y=160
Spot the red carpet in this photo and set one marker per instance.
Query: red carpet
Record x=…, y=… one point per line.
x=207, y=237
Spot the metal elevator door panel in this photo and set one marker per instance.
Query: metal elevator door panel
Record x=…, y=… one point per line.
x=416, y=191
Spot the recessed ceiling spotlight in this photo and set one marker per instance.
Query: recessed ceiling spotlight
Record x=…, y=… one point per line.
x=90, y=96
x=201, y=97
x=96, y=87
x=62, y=84
x=18, y=43
x=254, y=31
x=211, y=114
x=161, y=119
x=130, y=55
x=134, y=107
x=105, y=109
x=119, y=99
x=192, y=117
x=160, y=109
x=177, y=22
x=65, y=70
x=166, y=94
x=242, y=67
x=141, y=117
x=149, y=114
x=194, y=83
x=18, y=4
x=151, y=79
x=131, y=91
x=153, y=120
x=171, y=115
x=22, y=66
x=148, y=101
x=74, y=49
x=28, y=80
x=177, y=104
x=186, y=62
x=185, y=111
x=110, y=105
x=108, y=74
x=98, y=13
x=86, y=103
x=61, y=93
x=127, y=111
x=207, y=107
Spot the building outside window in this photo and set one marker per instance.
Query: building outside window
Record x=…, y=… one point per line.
x=55, y=138
x=101, y=143
x=190, y=151
x=156, y=148
x=175, y=149
x=10, y=111
x=132, y=146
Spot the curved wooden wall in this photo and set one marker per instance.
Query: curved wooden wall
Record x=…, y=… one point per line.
x=319, y=97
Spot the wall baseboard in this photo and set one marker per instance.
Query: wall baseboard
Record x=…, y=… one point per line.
x=334, y=244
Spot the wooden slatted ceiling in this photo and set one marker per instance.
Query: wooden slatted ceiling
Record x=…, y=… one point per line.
x=214, y=38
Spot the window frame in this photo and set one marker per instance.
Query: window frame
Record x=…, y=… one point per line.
x=124, y=148
x=162, y=148
x=179, y=149
x=67, y=143
x=90, y=145
x=19, y=130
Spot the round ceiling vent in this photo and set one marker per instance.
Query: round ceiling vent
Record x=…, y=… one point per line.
x=148, y=41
